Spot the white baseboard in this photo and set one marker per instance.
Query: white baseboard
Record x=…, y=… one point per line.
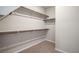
x=50, y=41
x=60, y=50
x=56, y=48
x=24, y=45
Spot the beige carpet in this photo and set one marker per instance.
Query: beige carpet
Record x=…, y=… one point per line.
x=43, y=47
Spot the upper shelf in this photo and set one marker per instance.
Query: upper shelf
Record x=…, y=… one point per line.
x=26, y=11
x=23, y=15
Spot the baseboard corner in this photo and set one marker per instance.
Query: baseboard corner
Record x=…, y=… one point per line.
x=62, y=51
x=51, y=41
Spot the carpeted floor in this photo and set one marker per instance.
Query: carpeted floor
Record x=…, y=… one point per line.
x=43, y=47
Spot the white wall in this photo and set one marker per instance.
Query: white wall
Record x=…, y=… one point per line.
x=13, y=23
x=51, y=12
x=67, y=28
x=51, y=32
x=4, y=10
